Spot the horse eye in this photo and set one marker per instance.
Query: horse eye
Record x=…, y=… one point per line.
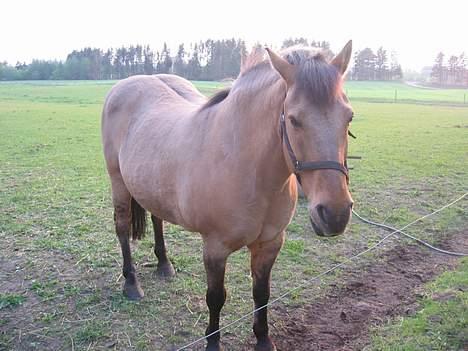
x=295, y=122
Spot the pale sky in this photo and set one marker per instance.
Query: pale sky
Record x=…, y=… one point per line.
x=415, y=30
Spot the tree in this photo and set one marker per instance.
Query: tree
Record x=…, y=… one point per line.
x=452, y=70
x=193, y=65
x=10, y=73
x=106, y=63
x=438, y=69
x=126, y=62
x=179, y=62
x=148, y=60
x=294, y=41
x=59, y=72
x=40, y=70
x=139, y=59
x=117, y=65
x=396, y=72
x=164, y=62
x=325, y=45
x=381, y=64
x=364, y=65
x=461, y=71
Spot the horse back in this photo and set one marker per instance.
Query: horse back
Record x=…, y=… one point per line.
x=141, y=116
x=130, y=100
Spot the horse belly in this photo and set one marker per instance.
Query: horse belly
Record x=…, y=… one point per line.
x=154, y=195
x=144, y=170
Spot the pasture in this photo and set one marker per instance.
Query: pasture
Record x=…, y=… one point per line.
x=60, y=261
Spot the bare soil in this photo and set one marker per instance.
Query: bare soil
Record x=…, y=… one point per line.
x=369, y=294
x=376, y=293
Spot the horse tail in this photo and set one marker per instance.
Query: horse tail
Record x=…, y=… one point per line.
x=138, y=225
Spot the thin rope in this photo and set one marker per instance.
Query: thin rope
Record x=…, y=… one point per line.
x=422, y=242
x=333, y=268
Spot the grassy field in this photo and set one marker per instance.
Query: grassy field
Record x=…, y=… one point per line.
x=385, y=92
x=60, y=260
x=75, y=91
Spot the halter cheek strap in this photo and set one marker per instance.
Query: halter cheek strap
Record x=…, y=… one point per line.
x=301, y=166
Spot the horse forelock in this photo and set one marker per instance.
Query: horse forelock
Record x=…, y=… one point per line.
x=315, y=76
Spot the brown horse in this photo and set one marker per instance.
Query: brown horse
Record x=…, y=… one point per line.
x=225, y=167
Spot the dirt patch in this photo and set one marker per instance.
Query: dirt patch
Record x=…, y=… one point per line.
x=380, y=291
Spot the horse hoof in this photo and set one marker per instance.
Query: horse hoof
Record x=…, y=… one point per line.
x=214, y=348
x=165, y=270
x=265, y=345
x=133, y=291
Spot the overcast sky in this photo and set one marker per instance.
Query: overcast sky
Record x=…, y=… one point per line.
x=415, y=30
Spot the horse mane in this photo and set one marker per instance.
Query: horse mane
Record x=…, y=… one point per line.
x=315, y=76
x=216, y=98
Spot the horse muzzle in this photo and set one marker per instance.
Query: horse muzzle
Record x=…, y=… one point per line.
x=330, y=222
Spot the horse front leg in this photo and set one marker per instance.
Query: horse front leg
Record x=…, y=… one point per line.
x=215, y=266
x=263, y=256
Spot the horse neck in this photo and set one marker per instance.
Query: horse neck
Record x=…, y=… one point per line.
x=256, y=123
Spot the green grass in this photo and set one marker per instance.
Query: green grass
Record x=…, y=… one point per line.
x=440, y=324
x=91, y=331
x=91, y=92
x=44, y=290
x=385, y=92
x=63, y=258
x=74, y=92
x=10, y=300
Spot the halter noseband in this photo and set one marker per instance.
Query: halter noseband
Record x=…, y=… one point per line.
x=301, y=166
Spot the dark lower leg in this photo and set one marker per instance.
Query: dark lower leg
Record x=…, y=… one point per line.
x=215, y=298
x=261, y=295
x=263, y=257
x=132, y=287
x=165, y=268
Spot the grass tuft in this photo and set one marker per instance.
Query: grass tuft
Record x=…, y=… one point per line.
x=11, y=300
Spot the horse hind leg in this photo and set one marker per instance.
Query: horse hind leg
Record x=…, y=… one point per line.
x=124, y=209
x=165, y=268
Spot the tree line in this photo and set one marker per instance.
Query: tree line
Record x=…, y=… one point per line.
x=454, y=72
x=375, y=66
x=203, y=60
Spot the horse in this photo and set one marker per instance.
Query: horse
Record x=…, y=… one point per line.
x=226, y=167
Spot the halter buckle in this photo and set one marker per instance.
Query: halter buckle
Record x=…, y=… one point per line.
x=297, y=166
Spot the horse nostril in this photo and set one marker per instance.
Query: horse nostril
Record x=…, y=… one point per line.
x=351, y=205
x=322, y=212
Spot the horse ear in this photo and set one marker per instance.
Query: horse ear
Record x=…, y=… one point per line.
x=341, y=60
x=283, y=67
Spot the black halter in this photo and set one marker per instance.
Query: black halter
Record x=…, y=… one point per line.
x=300, y=166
